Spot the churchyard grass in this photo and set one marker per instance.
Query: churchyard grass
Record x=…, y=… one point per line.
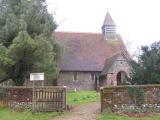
x=8, y=114
x=113, y=116
x=82, y=97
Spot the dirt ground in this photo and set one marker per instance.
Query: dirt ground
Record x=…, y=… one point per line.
x=89, y=111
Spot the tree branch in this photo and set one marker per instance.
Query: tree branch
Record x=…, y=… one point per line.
x=5, y=79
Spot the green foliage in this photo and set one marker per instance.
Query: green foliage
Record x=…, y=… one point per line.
x=147, y=69
x=2, y=93
x=82, y=97
x=137, y=95
x=26, y=41
x=7, y=114
x=114, y=116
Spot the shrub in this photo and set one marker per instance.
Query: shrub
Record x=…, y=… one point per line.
x=137, y=95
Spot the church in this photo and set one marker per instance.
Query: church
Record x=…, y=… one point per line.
x=93, y=60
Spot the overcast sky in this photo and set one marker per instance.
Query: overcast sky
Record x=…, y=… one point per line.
x=138, y=21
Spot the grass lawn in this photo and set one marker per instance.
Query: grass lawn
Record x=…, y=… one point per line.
x=7, y=114
x=82, y=97
x=112, y=116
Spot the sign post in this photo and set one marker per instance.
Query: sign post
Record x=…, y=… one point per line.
x=35, y=77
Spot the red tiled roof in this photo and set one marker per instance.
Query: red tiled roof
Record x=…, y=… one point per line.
x=86, y=51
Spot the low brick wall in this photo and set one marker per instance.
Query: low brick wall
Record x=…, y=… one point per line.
x=19, y=95
x=112, y=96
x=13, y=96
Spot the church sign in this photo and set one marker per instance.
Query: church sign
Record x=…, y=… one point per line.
x=36, y=76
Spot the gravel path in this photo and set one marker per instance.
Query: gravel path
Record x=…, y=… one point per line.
x=89, y=111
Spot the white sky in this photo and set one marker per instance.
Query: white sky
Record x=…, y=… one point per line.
x=138, y=21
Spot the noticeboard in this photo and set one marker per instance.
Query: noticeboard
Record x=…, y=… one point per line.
x=36, y=76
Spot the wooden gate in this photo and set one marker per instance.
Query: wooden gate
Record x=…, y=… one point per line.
x=47, y=99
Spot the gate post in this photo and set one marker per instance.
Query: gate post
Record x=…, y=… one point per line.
x=65, y=100
x=101, y=98
x=33, y=97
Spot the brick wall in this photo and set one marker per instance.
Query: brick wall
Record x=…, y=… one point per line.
x=13, y=96
x=120, y=65
x=119, y=95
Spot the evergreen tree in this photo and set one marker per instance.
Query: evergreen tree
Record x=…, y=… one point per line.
x=26, y=41
x=147, y=69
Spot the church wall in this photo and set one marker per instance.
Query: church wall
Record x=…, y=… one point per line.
x=83, y=82
x=119, y=65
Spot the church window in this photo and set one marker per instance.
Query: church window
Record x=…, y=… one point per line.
x=92, y=76
x=75, y=75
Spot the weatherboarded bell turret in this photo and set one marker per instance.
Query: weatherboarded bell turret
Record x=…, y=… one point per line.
x=109, y=27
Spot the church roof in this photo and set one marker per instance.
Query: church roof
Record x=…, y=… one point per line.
x=86, y=51
x=108, y=20
x=110, y=61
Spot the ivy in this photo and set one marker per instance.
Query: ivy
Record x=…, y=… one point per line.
x=137, y=95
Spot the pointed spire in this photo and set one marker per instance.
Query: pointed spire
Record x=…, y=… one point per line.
x=108, y=19
x=109, y=27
